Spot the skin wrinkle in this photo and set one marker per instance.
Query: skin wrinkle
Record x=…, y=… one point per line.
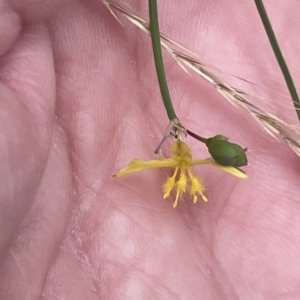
x=12, y=237
x=227, y=199
x=79, y=180
x=5, y=154
x=266, y=230
x=56, y=254
x=132, y=261
x=282, y=295
x=226, y=284
x=220, y=273
x=228, y=290
x=117, y=282
x=217, y=215
x=181, y=20
x=214, y=269
x=249, y=245
x=35, y=10
x=49, y=294
x=142, y=227
x=31, y=76
x=155, y=282
x=134, y=189
x=30, y=226
x=10, y=28
x=110, y=290
x=91, y=271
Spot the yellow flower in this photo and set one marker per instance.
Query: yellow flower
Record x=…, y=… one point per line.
x=182, y=180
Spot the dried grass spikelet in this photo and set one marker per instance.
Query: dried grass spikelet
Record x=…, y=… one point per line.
x=273, y=125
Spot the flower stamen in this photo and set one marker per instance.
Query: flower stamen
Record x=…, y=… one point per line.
x=196, y=187
x=180, y=186
x=169, y=184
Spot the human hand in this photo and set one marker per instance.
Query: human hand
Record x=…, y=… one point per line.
x=79, y=99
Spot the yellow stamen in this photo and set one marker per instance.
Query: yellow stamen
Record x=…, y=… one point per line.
x=196, y=187
x=180, y=186
x=169, y=184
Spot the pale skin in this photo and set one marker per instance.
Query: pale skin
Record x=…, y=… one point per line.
x=79, y=99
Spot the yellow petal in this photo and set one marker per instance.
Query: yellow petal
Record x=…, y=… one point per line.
x=138, y=165
x=231, y=170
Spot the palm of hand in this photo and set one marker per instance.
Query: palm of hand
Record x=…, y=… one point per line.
x=75, y=107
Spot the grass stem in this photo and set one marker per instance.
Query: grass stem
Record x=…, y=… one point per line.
x=280, y=59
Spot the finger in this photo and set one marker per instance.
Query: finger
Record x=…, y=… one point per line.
x=32, y=11
x=27, y=107
x=36, y=243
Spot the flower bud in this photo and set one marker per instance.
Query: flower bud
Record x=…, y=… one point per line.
x=226, y=153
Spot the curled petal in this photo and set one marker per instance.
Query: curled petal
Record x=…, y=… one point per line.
x=231, y=170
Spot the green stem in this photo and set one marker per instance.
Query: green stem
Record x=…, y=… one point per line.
x=159, y=65
x=196, y=136
x=280, y=59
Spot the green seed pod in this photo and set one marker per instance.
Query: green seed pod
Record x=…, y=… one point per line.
x=226, y=153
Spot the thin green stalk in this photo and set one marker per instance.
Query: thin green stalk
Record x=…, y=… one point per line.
x=280, y=59
x=159, y=65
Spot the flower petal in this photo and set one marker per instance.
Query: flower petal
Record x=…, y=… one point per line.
x=232, y=170
x=138, y=165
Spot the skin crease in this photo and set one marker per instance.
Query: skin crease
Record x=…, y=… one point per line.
x=80, y=99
